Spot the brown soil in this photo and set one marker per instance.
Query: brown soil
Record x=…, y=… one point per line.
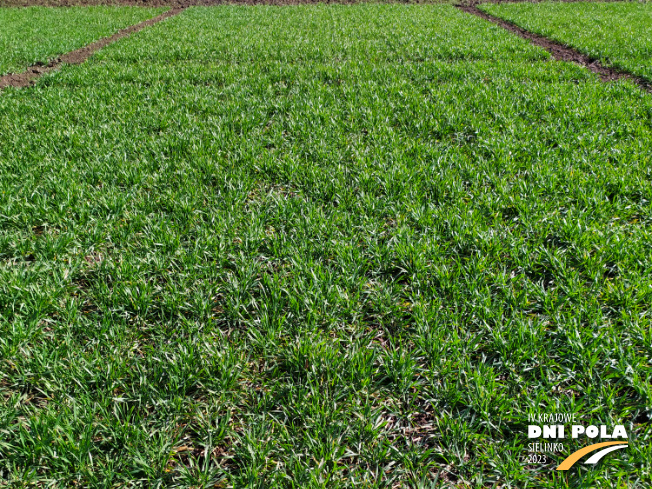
x=560, y=51
x=78, y=56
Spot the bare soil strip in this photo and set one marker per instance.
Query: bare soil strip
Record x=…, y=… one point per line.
x=560, y=51
x=27, y=78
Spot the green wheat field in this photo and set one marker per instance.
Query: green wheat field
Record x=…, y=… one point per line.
x=320, y=246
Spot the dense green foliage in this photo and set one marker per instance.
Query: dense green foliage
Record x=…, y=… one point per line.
x=37, y=34
x=619, y=34
x=319, y=247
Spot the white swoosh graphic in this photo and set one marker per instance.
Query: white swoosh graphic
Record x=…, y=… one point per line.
x=597, y=456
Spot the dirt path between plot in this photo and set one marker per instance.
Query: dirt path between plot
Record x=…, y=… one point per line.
x=27, y=78
x=560, y=51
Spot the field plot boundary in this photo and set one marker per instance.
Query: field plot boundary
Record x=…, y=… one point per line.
x=78, y=56
x=560, y=51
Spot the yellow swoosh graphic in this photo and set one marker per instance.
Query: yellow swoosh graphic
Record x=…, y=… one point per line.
x=575, y=456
